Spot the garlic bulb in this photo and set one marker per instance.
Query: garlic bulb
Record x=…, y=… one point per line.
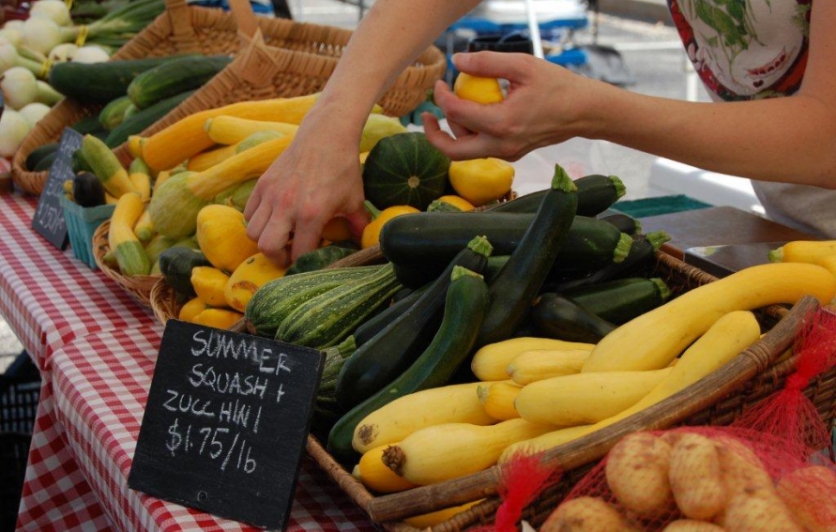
x=54, y=10
x=33, y=112
x=19, y=87
x=13, y=129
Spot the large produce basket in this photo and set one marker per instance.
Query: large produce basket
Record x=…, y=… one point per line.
x=139, y=286
x=716, y=400
x=282, y=58
x=180, y=30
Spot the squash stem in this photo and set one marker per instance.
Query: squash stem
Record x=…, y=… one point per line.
x=657, y=238
x=622, y=249
x=373, y=211
x=561, y=180
x=662, y=288
x=776, y=255
x=459, y=272
x=481, y=246
x=618, y=184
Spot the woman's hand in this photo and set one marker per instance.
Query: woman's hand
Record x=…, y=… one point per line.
x=546, y=104
x=316, y=179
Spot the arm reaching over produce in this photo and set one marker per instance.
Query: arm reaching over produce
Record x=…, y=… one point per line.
x=318, y=177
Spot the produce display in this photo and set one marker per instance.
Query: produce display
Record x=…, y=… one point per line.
x=54, y=36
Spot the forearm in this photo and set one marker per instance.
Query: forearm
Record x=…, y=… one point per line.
x=389, y=38
x=790, y=139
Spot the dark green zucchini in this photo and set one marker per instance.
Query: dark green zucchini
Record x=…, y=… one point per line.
x=621, y=300
x=176, y=265
x=39, y=153
x=517, y=284
x=421, y=245
x=88, y=190
x=99, y=82
x=555, y=316
x=372, y=326
x=596, y=193
x=624, y=222
x=89, y=124
x=637, y=263
x=387, y=354
x=46, y=162
x=321, y=257
x=114, y=113
x=138, y=122
x=174, y=77
x=330, y=317
x=464, y=310
x=335, y=357
x=272, y=303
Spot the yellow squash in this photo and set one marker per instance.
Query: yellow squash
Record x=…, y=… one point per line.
x=106, y=167
x=209, y=158
x=371, y=233
x=218, y=317
x=803, y=251
x=191, y=309
x=481, y=181
x=248, y=277
x=478, y=89
x=209, y=284
x=228, y=130
x=456, y=403
x=222, y=236
x=144, y=227
x=125, y=246
x=653, y=339
x=490, y=363
x=140, y=177
x=540, y=364
x=497, y=398
x=374, y=474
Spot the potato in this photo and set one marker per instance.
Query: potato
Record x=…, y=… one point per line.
x=637, y=473
x=743, y=471
x=584, y=514
x=690, y=525
x=758, y=512
x=810, y=496
x=695, y=477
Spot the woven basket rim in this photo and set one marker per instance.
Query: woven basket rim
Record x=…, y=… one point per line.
x=139, y=286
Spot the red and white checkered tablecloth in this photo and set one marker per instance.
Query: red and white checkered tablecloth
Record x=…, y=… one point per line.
x=96, y=348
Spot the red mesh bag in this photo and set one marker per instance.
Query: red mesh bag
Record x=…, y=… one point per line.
x=771, y=471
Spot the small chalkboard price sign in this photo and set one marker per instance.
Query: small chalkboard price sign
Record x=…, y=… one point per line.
x=226, y=422
x=48, y=219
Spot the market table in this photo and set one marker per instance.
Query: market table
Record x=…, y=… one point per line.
x=96, y=348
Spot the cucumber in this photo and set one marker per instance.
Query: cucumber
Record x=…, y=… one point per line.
x=596, y=193
x=100, y=82
x=329, y=318
x=555, y=316
x=422, y=244
x=89, y=124
x=465, y=306
x=140, y=121
x=39, y=153
x=638, y=262
x=274, y=301
x=114, y=113
x=516, y=285
x=46, y=162
x=621, y=300
x=381, y=359
x=174, y=77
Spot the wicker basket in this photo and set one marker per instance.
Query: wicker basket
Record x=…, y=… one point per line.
x=717, y=400
x=283, y=59
x=139, y=286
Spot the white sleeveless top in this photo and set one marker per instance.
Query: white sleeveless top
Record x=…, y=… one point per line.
x=752, y=49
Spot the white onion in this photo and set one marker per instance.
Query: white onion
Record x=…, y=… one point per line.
x=33, y=112
x=90, y=54
x=63, y=53
x=8, y=55
x=41, y=34
x=54, y=10
x=13, y=129
x=19, y=87
x=13, y=25
x=12, y=35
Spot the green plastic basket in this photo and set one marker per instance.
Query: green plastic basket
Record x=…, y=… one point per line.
x=81, y=224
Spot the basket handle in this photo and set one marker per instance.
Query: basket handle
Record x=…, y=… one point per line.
x=244, y=17
x=182, y=30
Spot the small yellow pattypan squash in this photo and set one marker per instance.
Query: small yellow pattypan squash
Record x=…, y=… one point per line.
x=222, y=236
x=481, y=181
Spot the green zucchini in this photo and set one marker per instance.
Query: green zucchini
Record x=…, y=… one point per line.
x=465, y=306
x=114, y=113
x=624, y=222
x=320, y=258
x=335, y=357
x=637, y=263
x=137, y=123
x=328, y=318
x=620, y=300
x=517, y=284
x=46, y=162
x=176, y=265
x=555, y=316
x=99, y=82
x=372, y=326
x=174, y=77
x=80, y=162
x=596, y=193
x=39, y=153
x=274, y=301
x=442, y=206
x=422, y=244
x=381, y=359
x=87, y=125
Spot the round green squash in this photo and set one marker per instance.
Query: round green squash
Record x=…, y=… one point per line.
x=405, y=169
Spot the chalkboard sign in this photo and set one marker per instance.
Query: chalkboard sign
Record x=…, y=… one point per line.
x=49, y=218
x=226, y=422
